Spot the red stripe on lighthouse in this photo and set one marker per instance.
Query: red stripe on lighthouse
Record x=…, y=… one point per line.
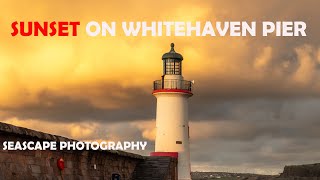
x=172, y=91
x=166, y=154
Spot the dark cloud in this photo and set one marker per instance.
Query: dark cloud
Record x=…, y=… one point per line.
x=263, y=133
x=277, y=118
x=136, y=105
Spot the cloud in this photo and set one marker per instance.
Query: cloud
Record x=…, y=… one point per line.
x=222, y=130
x=308, y=70
x=147, y=128
x=263, y=60
x=89, y=131
x=57, y=107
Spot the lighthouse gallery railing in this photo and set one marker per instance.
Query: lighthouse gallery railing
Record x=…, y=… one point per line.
x=172, y=84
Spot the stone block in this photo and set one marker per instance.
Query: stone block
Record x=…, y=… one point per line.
x=5, y=157
x=67, y=171
x=36, y=175
x=83, y=172
x=69, y=164
x=50, y=170
x=48, y=177
x=37, y=154
x=35, y=169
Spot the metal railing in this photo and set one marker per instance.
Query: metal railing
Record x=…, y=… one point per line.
x=172, y=84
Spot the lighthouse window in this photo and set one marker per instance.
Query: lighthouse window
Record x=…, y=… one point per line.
x=177, y=67
x=172, y=66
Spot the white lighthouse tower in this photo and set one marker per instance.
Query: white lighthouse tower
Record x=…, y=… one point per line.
x=172, y=93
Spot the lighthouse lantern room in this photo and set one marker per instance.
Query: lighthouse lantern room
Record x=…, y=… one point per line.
x=172, y=127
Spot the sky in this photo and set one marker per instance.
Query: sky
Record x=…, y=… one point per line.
x=255, y=103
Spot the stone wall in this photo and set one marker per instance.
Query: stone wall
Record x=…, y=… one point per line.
x=78, y=164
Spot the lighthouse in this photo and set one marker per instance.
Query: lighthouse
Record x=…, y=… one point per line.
x=172, y=127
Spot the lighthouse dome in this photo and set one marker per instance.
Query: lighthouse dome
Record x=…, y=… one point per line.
x=172, y=54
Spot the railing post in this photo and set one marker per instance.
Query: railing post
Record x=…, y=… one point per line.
x=162, y=81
